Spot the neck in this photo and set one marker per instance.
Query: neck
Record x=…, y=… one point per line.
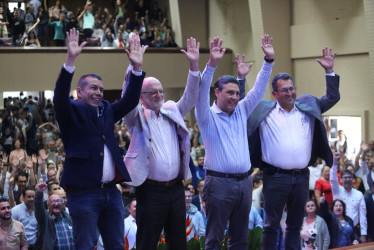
x=311, y=216
x=340, y=217
x=348, y=189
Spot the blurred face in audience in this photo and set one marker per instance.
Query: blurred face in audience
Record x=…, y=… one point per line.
x=55, y=204
x=21, y=182
x=200, y=161
x=5, y=211
x=192, y=189
x=152, y=95
x=351, y=169
x=346, y=180
x=29, y=198
x=310, y=207
x=62, y=194
x=132, y=208
x=326, y=173
x=188, y=198
x=338, y=208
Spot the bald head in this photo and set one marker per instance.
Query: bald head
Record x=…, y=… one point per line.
x=152, y=95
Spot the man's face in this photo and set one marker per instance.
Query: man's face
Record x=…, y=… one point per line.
x=51, y=174
x=228, y=97
x=62, y=194
x=283, y=95
x=21, y=182
x=188, y=198
x=52, y=146
x=55, y=204
x=152, y=95
x=200, y=161
x=29, y=198
x=132, y=209
x=5, y=211
x=92, y=93
x=346, y=180
x=54, y=188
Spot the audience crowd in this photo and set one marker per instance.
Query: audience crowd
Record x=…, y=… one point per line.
x=44, y=23
x=340, y=210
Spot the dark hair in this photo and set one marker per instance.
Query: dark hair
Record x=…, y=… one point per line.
x=27, y=188
x=333, y=204
x=2, y=199
x=201, y=180
x=346, y=172
x=186, y=188
x=82, y=83
x=52, y=183
x=21, y=173
x=223, y=80
x=283, y=76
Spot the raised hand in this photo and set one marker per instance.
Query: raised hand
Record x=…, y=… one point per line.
x=242, y=69
x=216, y=52
x=192, y=53
x=136, y=52
x=74, y=49
x=41, y=187
x=267, y=46
x=29, y=163
x=43, y=155
x=34, y=159
x=327, y=59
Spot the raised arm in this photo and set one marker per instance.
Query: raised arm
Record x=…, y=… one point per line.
x=191, y=92
x=242, y=71
x=334, y=178
x=216, y=54
x=74, y=49
x=332, y=95
x=255, y=95
x=84, y=11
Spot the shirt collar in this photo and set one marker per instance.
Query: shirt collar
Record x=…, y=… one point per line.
x=217, y=110
x=278, y=108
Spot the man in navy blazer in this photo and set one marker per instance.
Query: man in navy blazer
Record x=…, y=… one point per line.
x=285, y=137
x=94, y=163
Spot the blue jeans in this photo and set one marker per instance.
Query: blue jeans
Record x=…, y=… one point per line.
x=227, y=200
x=282, y=189
x=94, y=211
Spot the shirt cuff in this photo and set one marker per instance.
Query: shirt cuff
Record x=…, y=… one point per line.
x=330, y=74
x=137, y=73
x=69, y=69
x=194, y=73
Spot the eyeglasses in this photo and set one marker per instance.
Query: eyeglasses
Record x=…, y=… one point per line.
x=285, y=90
x=155, y=92
x=6, y=207
x=59, y=202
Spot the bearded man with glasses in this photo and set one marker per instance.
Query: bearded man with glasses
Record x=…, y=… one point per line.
x=285, y=137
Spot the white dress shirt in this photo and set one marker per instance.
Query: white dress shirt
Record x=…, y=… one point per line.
x=354, y=201
x=130, y=230
x=164, y=157
x=286, y=138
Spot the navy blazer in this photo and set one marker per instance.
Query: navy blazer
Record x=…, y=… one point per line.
x=309, y=104
x=84, y=133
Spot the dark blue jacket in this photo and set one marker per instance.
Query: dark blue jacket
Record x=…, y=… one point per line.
x=84, y=133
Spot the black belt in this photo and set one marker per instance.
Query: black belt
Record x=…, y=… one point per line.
x=238, y=176
x=162, y=183
x=109, y=184
x=270, y=169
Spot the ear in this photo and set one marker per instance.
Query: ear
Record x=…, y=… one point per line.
x=273, y=93
x=79, y=92
x=216, y=92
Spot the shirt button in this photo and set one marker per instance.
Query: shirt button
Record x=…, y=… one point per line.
x=103, y=137
x=101, y=154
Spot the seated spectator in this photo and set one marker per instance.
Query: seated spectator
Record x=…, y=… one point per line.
x=107, y=39
x=32, y=40
x=196, y=200
x=194, y=222
x=12, y=233
x=54, y=224
x=341, y=228
x=130, y=225
x=314, y=232
x=3, y=23
x=323, y=186
x=25, y=214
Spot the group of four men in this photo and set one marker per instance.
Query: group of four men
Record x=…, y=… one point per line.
x=284, y=137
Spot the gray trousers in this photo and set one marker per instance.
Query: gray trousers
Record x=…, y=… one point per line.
x=282, y=189
x=227, y=200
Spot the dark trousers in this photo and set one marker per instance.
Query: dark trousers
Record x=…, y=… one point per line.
x=160, y=208
x=227, y=200
x=94, y=211
x=282, y=189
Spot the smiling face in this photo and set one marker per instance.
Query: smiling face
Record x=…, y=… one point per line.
x=285, y=99
x=90, y=91
x=55, y=204
x=228, y=97
x=29, y=198
x=152, y=95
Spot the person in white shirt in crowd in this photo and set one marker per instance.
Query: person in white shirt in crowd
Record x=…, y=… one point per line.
x=195, y=218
